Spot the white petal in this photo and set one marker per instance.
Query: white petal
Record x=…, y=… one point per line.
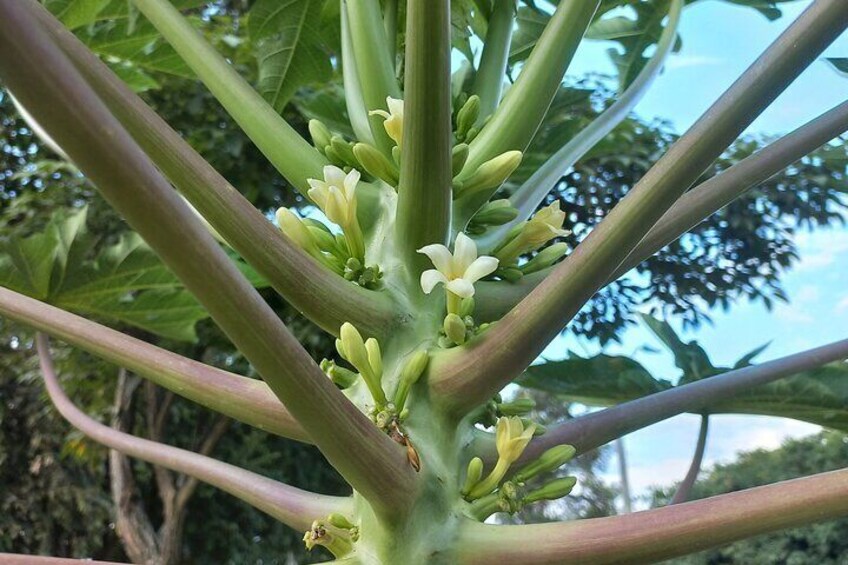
x=319, y=195
x=461, y=288
x=429, y=280
x=381, y=113
x=395, y=106
x=334, y=175
x=464, y=253
x=439, y=255
x=350, y=182
x=482, y=266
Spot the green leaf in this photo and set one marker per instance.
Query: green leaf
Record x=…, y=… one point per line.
x=689, y=357
x=602, y=380
x=531, y=23
x=76, y=13
x=819, y=396
x=635, y=36
x=286, y=38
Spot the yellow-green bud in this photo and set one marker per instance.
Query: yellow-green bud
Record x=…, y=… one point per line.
x=320, y=134
x=459, y=155
x=511, y=274
x=324, y=240
x=409, y=375
x=550, y=460
x=466, y=307
x=294, y=229
x=472, y=475
x=538, y=430
x=375, y=357
x=341, y=377
x=467, y=116
x=517, y=407
x=340, y=521
x=545, y=225
x=334, y=156
x=552, y=490
x=344, y=150
x=376, y=164
x=545, y=258
x=455, y=328
x=354, y=347
x=491, y=174
x=496, y=213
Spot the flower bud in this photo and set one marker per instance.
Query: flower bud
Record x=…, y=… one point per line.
x=511, y=274
x=552, y=490
x=459, y=155
x=375, y=357
x=491, y=174
x=517, y=407
x=466, y=308
x=320, y=134
x=376, y=164
x=538, y=429
x=341, y=377
x=344, y=150
x=354, y=349
x=472, y=475
x=545, y=225
x=550, y=460
x=393, y=119
x=340, y=521
x=467, y=116
x=409, y=375
x=545, y=258
x=455, y=328
x=496, y=213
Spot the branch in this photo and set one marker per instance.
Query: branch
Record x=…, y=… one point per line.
x=424, y=192
x=187, y=488
x=719, y=191
x=294, y=507
x=47, y=84
x=247, y=400
x=467, y=376
x=354, y=101
x=326, y=299
x=520, y=113
x=533, y=191
x=595, y=429
x=496, y=299
x=290, y=154
x=685, y=487
x=374, y=64
x=488, y=82
x=662, y=533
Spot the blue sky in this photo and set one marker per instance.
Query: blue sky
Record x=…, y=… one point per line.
x=720, y=41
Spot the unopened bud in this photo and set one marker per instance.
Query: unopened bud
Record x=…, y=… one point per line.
x=517, y=407
x=496, y=213
x=320, y=134
x=466, y=307
x=344, y=150
x=492, y=173
x=459, y=156
x=455, y=328
x=341, y=377
x=552, y=490
x=472, y=475
x=511, y=274
x=545, y=258
x=467, y=116
x=340, y=521
x=375, y=357
x=550, y=460
x=409, y=375
x=376, y=164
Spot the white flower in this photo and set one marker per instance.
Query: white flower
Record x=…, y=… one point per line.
x=458, y=271
x=335, y=195
x=393, y=118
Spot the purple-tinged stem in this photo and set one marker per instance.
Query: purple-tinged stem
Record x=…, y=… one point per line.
x=246, y=400
x=662, y=533
x=685, y=487
x=292, y=506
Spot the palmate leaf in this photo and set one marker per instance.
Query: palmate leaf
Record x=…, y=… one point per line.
x=819, y=396
x=123, y=283
x=286, y=38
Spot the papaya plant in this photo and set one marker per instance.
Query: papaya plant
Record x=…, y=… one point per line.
x=441, y=279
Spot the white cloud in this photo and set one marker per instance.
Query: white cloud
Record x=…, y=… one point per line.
x=687, y=61
x=842, y=305
x=792, y=314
